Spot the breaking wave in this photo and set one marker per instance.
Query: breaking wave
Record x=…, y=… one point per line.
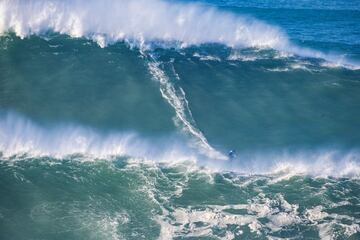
x=21, y=138
x=148, y=21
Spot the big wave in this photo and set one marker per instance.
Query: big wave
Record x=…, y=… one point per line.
x=145, y=21
x=141, y=20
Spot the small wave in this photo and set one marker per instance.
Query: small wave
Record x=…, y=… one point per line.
x=148, y=21
x=298, y=65
x=206, y=57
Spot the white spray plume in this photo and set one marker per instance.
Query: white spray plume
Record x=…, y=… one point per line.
x=112, y=20
x=21, y=136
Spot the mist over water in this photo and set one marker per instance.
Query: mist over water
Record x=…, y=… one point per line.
x=117, y=117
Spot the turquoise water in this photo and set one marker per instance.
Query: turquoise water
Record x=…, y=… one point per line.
x=116, y=119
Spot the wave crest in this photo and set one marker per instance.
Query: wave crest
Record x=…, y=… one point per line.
x=141, y=20
x=21, y=136
x=147, y=21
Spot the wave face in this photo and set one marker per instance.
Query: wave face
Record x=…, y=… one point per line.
x=117, y=117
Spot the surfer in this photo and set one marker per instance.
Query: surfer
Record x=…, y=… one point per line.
x=232, y=154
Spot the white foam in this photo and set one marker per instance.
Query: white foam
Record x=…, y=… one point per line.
x=143, y=21
x=316, y=213
x=185, y=221
x=326, y=228
x=228, y=221
x=200, y=221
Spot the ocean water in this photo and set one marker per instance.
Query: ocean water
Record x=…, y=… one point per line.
x=117, y=116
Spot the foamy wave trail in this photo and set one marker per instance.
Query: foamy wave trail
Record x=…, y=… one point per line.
x=147, y=21
x=175, y=96
x=21, y=138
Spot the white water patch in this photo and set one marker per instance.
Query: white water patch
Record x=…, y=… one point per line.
x=109, y=21
x=232, y=220
x=205, y=220
x=326, y=226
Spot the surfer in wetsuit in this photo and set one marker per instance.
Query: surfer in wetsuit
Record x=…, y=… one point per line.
x=232, y=154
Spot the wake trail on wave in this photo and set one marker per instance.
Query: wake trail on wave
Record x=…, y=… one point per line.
x=165, y=23
x=175, y=97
